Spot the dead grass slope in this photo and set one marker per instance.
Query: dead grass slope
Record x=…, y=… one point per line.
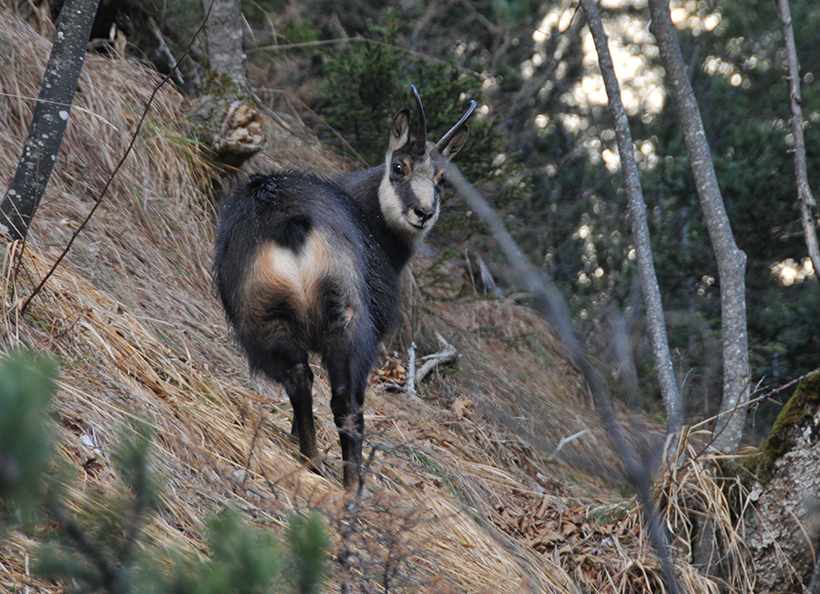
x=463, y=493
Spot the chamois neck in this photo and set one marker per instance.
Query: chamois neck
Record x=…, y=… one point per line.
x=363, y=186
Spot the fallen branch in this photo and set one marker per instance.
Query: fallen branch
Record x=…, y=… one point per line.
x=410, y=382
x=448, y=354
x=166, y=51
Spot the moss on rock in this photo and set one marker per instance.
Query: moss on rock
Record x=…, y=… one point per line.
x=796, y=416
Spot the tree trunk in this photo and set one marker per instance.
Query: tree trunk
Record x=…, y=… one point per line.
x=640, y=229
x=226, y=41
x=50, y=118
x=731, y=261
x=226, y=119
x=803, y=188
x=783, y=522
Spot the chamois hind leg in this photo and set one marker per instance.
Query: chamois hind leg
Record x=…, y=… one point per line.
x=359, y=386
x=293, y=372
x=300, y=392
x=347, y=414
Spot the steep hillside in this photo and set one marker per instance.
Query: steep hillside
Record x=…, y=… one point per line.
x=463, y=490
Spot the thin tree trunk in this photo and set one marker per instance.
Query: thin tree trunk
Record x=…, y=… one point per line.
x=226, y=119
x=803, y=188
x=226, y=41
x=640, y=229
x=45, y=134
x=731, y=261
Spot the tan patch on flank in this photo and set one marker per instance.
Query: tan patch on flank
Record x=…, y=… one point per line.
x=296, y=278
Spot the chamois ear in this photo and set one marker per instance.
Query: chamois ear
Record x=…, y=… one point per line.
x=455, y=143
x=451, y=142
x=400, y=130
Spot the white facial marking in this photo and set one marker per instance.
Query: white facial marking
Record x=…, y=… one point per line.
x=423, y=188
x=391, y=204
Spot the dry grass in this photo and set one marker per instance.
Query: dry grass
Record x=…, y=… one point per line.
x=463, y=487
x=705, y=515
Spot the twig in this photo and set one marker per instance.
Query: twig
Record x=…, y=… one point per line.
x=564, y=441
x=357, y=39
x=492, y=27
x=166, y=51
x=448, y=354
x=751, y=402
x=410, y=383
x=84, y=110
x=803, y=189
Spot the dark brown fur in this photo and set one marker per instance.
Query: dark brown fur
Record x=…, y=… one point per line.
x=305, y=264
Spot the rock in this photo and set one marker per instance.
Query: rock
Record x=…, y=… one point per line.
x=783, y=522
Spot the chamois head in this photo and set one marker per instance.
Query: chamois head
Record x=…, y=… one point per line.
x=414, y=170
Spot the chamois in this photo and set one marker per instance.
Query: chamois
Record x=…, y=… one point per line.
x=307, y=263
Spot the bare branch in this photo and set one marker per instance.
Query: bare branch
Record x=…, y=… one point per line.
x=548, y=301
x=640, y=229
x=410, y=383
x=731, y=261
x=165, y=50
x=803, y=189
x=448, y=354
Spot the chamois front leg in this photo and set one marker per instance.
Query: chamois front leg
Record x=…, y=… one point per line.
x=350, y=421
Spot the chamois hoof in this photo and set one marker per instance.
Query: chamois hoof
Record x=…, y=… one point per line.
x=318, y=467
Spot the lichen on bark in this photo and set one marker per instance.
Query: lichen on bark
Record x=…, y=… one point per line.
x=226, y=120
x=783, y=518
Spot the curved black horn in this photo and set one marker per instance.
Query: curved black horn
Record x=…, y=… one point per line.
x=445, y=140
x=420, y=144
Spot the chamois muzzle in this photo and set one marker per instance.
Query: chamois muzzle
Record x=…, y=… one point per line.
x=420, y=145
x=422, y=216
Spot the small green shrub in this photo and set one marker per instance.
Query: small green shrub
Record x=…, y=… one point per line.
x=104, y=547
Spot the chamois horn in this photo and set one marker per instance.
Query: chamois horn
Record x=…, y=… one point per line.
x=445, y=140
x=421, y=136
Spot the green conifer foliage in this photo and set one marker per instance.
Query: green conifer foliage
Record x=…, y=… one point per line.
x=104, y=546
x=367, y=83
x=309, y=546
x=26, y=385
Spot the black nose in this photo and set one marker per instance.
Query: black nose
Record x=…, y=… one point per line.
x=422, y=214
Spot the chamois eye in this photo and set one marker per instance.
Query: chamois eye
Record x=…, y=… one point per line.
x=398, y=169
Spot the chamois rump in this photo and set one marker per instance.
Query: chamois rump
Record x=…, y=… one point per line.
x=307, y=263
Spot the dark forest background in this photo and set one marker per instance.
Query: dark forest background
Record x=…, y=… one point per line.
x=543, y=148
